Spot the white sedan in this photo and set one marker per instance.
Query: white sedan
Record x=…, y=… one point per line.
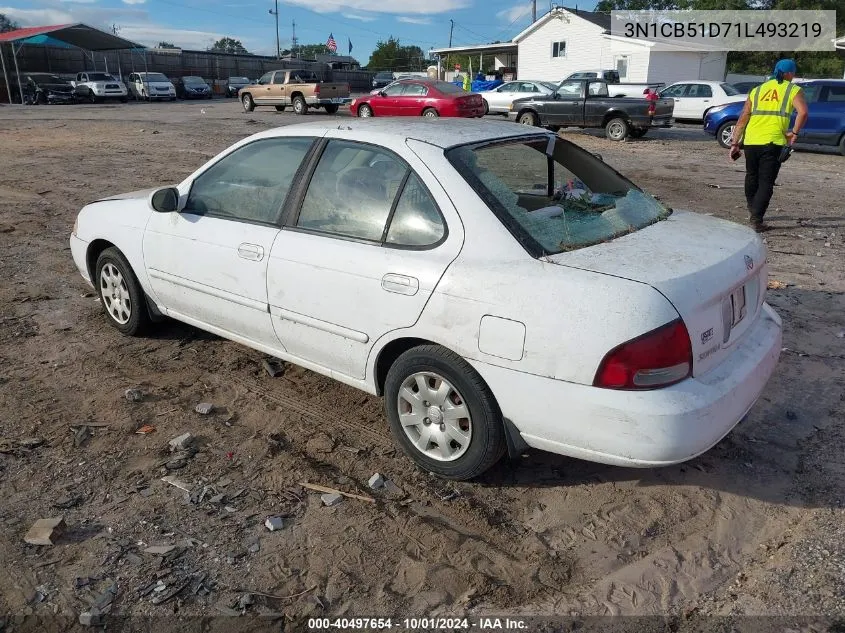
x=499, y=99
x=694, y=98
x=499, y=286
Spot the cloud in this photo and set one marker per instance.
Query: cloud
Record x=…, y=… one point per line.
x=79, y=1
x=151, y=35
x=407, y=20
x=361, y=18
x=424, y=7
x=134, y=1
x=514, y=13
x=37, y=17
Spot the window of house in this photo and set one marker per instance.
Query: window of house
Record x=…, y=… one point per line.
x=558, y=49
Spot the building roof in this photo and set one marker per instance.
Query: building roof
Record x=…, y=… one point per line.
x=79, y=35
x=445, y=132
x=601, y=20
x=474, y=49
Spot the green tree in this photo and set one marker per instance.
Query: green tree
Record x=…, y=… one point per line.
x=310, y=51
x=391, y=55
x=229, y=45
x=7, y=25
x=166, y=45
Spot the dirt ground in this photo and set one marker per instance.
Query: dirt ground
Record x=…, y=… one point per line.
x=756, y=526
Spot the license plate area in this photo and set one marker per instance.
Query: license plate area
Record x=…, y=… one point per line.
x=739, y=307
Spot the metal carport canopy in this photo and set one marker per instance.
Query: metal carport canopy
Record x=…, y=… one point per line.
x=79, y=35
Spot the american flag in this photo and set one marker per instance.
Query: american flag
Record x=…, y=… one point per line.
x=331, y=44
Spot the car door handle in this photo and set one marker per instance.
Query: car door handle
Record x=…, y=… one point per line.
x=707, y=101
x=400, y=284
x=252, y=252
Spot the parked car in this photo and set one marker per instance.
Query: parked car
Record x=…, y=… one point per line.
x=585, y=103
x=419, y=97
x=495, y=283
x=44, y=88
x=301, y=89
x=744, y=87
x=615, y=86
x=234, y=84
x=192, y=88
x=95, y=86
x=825, y=124
x=694, y=98
x=610, y=75
x=149, y=86
x=499, y=99
x=383, y=79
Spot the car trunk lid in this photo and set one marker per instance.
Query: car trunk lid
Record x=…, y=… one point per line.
x=713, y=271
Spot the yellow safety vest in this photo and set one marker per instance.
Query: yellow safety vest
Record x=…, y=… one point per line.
x=771, y=109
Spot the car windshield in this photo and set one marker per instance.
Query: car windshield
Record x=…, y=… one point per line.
x=554, y=196
x=100, y=77
x=193, y=80
x=446, y=88
x=47, y=79
x=238, y=80
x=548, y=85
x=730, y=90
x=155, y=77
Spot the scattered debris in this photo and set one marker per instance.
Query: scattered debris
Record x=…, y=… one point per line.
x=447, y=494
x=30, y=443
x=204, y=408
x=327, y=490
x=274, y=523
x=133, y=395
x=254, y=548
x=181, y=443
x=273, y=366
x=320, y=443
x=81, y=435
x=65, y=503
x=92, y=617
x=393, y=488
x=103, y=602
x=331, y=498
x=774, y=284
x=244, y=601
x=45, y=531
x=376, y=482
x=173, y=481
x=144, y=430
x=160, y=550
x=172, y=592
x=841, y=335
x=719, y=186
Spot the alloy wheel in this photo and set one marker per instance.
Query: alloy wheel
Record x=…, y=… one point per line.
x=115, y=294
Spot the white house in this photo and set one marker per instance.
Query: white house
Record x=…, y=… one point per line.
x=564, y=41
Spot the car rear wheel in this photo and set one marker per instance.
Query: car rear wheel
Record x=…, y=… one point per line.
x=299, y=105
x=528, y=118
x=617, y=129
x=442, y=413
x=365, y=111
x=248, y=103
x=331, y=108
x=724, y=133
x=120, y=293
x=430, y=113
x=280, y=108
x=486, y=107
x=842, y=145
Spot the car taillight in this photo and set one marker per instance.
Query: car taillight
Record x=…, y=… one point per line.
x=317, y=89
x=659, y=358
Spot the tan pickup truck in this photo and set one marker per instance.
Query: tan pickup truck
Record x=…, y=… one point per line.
x=300, y=89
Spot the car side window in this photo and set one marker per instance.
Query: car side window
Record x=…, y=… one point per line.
x=597, y=89
x=266, y=78
x=279, y=77
x=675, y=91
x=395, y=90
x=415, y=90
x=416, y=220
x=352, y=191
x=251, y=183
x=700, y=91
x=835, y=94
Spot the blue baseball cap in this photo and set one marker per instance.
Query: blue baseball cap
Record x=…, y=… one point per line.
x=785, y=66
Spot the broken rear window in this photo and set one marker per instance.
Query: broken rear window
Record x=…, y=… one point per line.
x=553, y=195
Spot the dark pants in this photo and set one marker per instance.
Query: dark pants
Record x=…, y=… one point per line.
x=761, y=171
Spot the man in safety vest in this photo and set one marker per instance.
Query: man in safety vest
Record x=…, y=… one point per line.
x=763, y=129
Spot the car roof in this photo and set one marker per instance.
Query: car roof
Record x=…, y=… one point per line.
x=444, y=133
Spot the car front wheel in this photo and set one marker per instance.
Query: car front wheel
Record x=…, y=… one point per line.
x=528, y=118
x=120, y=293
x=617, y=129
x=365, y=111
x=724, y=133
x=248, y=103
x=442, y=413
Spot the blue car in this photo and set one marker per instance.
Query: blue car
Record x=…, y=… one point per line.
x=825, y=125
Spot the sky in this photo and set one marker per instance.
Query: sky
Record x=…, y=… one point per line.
x=196, y=24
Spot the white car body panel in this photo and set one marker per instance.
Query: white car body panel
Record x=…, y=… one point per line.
x=140, y=86
x=100, y=88
x=535, y=330
x=499, y=99
x=695, y=107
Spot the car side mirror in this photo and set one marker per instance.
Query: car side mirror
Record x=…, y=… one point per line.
x=382, y=93
x=165, y=200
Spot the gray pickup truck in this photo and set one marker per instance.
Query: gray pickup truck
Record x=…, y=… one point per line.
x=585, y=103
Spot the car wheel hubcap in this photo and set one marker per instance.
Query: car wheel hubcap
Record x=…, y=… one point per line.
x=430, y=114
x=527, y=120
x=727, y=133
x=434, y=416
x=365, y=112
x=115, y=294
x=615, y=130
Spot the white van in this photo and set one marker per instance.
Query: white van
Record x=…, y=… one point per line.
x=149, y=86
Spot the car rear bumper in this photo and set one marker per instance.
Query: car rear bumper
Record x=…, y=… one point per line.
x=661, y=122
x=645, y=428
x=328, y=101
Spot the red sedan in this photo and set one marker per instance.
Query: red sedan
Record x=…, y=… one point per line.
x=423, y=97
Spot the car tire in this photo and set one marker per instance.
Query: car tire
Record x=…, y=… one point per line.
x=365, y=111
x=299, y=105
x=332, y=108
x=528, y=118
x=427, y=368
x=92, y=97
x=430, y=113
x=486, y=107
x=638, y=132
x=120, y=293
x=124, y=99
x=842, y=145
x=247, y=102
x=41, y=99
x=280, y=108
x=724, y=133
x=617, y=129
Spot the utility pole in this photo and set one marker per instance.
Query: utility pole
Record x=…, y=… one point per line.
x=533, y=11
x=293, y=40
x=451, y=28
x=278, y=46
